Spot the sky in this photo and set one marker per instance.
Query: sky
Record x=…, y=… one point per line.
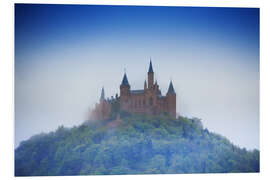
x=65, y=54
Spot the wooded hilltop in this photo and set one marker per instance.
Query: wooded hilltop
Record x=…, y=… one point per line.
x=133, y=144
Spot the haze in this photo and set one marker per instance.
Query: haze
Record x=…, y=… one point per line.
x=64, y=54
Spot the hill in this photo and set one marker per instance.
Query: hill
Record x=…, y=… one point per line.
x=136, y=144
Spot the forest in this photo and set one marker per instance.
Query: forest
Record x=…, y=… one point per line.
x=133, y=144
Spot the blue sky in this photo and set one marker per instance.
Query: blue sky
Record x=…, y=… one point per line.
x=64, y=54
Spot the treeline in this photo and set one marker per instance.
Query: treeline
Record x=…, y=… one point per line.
x=141, y=144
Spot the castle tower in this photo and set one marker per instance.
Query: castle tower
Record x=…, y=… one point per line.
x=145, y=85
x=156, y=86
x=150, y=75
x=103, y=109
x=124, y=93
x=171, y=100
x=102, y=96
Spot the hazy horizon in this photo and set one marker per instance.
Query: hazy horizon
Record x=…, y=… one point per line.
x=65, y=54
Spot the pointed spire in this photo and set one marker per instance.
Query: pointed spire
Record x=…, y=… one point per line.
x=125, y=80
x=102, y=97
x=145, y=84
x=150, y=70
x=171, y=89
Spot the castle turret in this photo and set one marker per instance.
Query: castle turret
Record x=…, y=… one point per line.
x=102, y=109
x=124, y=87
x=171, y=89
x=124, y=93
x=150, y=75
x=156, y=86
x=102, y=97
x=145, y=85
x=171, y=100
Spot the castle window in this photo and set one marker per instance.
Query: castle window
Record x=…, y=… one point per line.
x=151, y=101
x=143, y=102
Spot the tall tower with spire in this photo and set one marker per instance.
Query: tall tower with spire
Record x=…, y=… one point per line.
x=171, y=100
x=150, y=75
x=102, y=96
x=145, y=85
x=124, y=93
x=102, y=109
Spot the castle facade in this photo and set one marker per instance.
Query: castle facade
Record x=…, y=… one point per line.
x=148, y=100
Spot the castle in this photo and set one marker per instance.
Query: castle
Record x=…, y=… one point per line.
x=144, y=101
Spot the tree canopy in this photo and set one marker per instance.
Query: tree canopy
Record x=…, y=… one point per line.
x=139, y=144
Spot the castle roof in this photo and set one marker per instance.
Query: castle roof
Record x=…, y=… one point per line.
x=141, y=91
x=171, y=89
x=125, y=80
x=150, y=70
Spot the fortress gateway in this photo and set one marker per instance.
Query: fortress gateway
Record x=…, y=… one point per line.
x=144, y=101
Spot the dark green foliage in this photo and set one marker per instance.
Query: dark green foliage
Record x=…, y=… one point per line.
x=141, y=144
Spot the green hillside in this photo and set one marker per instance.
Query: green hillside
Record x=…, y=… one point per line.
x=136, y=144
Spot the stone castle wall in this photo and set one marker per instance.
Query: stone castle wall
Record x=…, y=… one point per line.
x=149, y=103
x=101, y=111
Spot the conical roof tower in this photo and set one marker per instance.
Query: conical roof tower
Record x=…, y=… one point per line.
x=125, y=81
x=171, y=89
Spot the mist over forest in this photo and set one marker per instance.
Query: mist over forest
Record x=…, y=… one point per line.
x=133, y=144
